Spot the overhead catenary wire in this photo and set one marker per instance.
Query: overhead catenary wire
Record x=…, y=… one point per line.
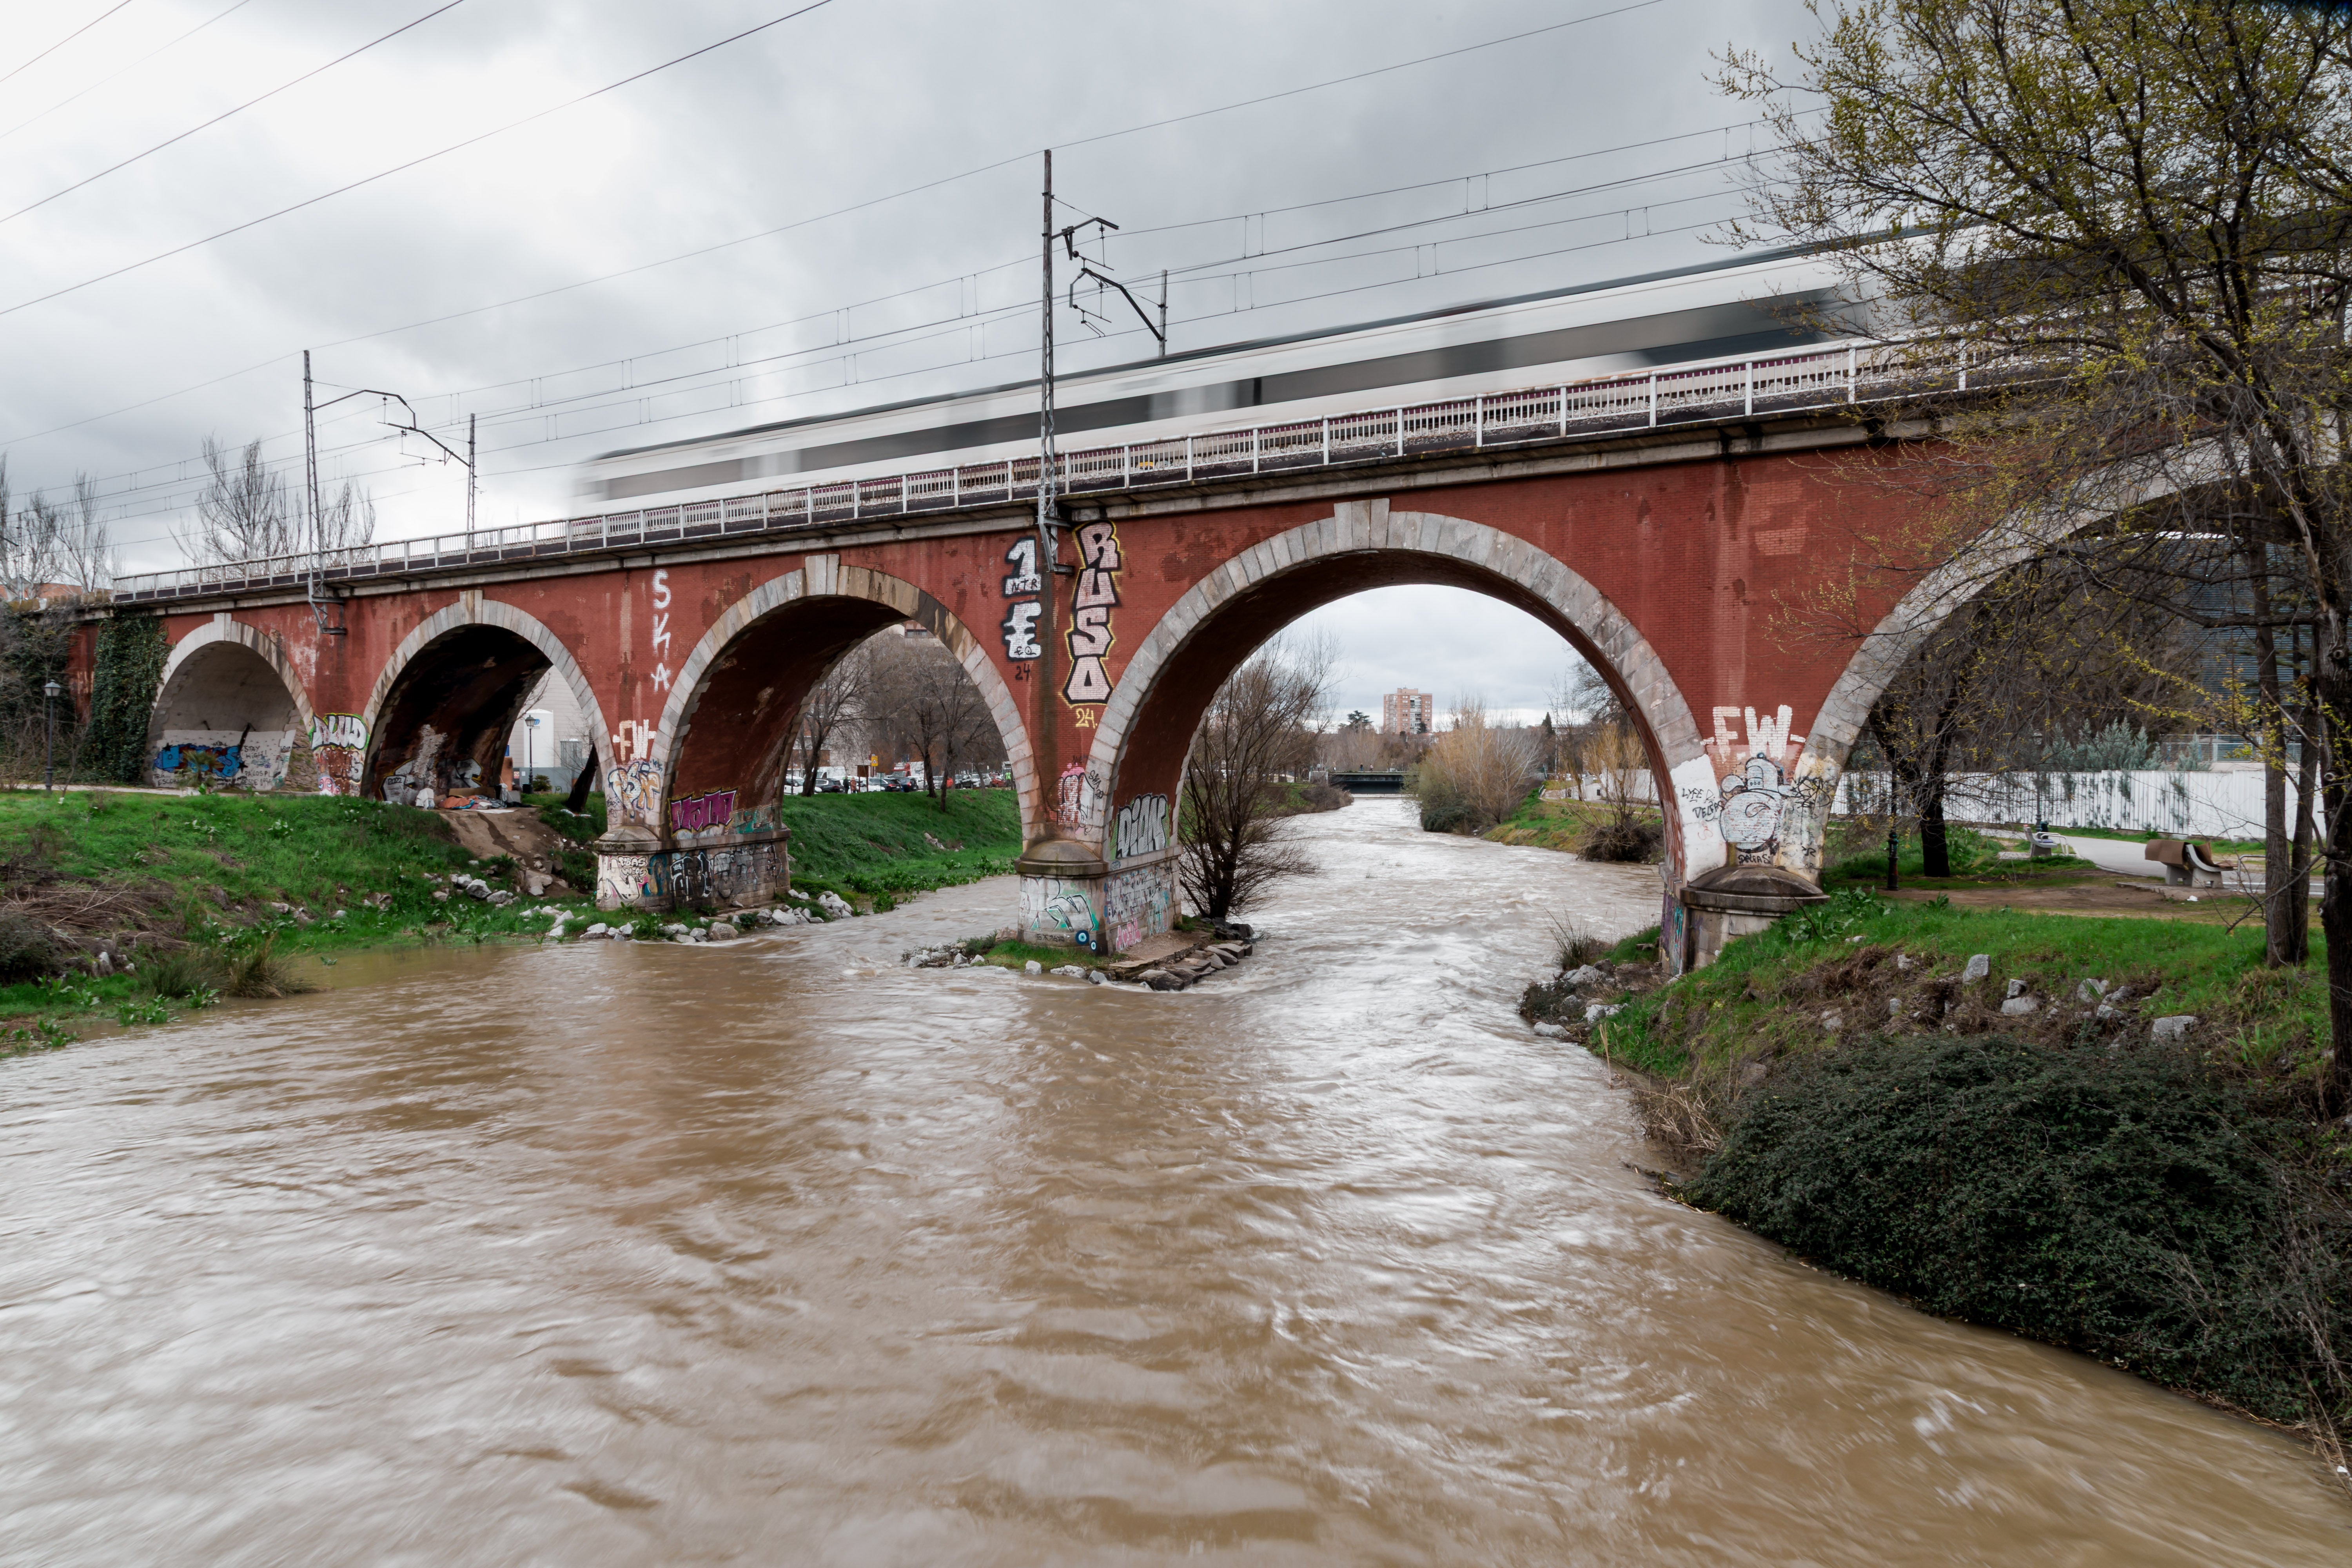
x=536, y=295
x=1192, y=273
x=61, y=43
x=229, y=113
x=968, y=174
x=1018, y=353
x=159, y=48
x=412, y=164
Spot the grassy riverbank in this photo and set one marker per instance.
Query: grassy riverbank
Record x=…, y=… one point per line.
x=239, y=894
x=2022, y=1149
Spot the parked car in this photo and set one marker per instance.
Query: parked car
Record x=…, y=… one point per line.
x=832, y=786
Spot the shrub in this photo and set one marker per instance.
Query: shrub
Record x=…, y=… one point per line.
x=2126, y=1203
x=1474, y=775
x=1624, y=838
x=28, y=950
x=259, y=970
x=190, y=972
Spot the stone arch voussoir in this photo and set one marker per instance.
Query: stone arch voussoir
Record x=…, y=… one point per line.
x=1358, y=528
x=226, y=629
x=472, y=609
x=824, y=576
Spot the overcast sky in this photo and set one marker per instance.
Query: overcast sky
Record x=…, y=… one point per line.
x=861, y=182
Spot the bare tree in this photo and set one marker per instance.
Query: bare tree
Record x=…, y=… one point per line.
x=45, y=546
x=2131, y=220
x=935, y=711
x=1258, y=734
x=244, y=512
x=831, y=705
x=346, y=522
x=1474, y=775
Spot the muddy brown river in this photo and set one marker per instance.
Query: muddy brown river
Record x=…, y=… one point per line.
x=780, y=1253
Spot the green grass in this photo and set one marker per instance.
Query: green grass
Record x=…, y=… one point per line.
x=1975, y=859
x=1013, y=954
x=875, y=844
x=1765, y=994
x=1553, y=825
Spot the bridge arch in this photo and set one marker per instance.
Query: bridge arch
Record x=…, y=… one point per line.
x=1147, y=726
x=452, y=691
x=724, y=724
x=228, y=696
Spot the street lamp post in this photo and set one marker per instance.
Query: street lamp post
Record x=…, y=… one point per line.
x=530, y=750
x=49, y=741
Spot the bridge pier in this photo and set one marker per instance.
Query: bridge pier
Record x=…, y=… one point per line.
x=635, y=871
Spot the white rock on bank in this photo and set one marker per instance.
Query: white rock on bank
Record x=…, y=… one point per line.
x=2175, y=1028
x=1979, y=965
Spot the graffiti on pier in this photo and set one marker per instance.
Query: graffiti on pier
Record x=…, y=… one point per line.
x=631, y=881
x=1096, y=596
x=701, y=813
x=1141, y=827
x=1053, y=909
x=1754, y=795
x=338, y=747
x=1139, y=904
x=1022, y=587
x=660, y=638
x=215, y=764
x=632, y=792
x=1077, y=796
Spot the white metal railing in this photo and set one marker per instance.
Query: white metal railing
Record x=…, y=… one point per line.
x=1777, y=383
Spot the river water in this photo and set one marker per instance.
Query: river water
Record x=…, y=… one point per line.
x=780, y=1253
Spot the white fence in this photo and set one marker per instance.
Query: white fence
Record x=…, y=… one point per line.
x=2216, y=805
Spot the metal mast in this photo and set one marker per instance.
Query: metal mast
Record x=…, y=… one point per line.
x=470, y=477
x=309, y=456
x=1046, y=389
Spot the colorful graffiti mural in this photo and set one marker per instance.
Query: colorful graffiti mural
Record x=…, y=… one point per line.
x=633, y=792
x=702, y=812
x=192, y=762
x=1077, y=796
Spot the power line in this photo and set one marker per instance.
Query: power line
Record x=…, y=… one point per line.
x=226, y=114
x=821, y=217
x=134, y=65
x=1016, y=313
x=413, y=163
x=68, y=39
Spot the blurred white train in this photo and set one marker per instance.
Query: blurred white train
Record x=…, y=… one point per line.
x=1712, y=315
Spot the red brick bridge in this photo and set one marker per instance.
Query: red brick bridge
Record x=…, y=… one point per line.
x=1659, y=522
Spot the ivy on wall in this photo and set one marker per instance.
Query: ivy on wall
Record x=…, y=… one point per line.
x=126, y=673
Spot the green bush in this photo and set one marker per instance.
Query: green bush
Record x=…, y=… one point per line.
x=2119, y=1200
x=27, y=950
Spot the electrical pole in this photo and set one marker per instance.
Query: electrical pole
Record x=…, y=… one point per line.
x=309, y=455
x=470, y=477
x=1045, y=740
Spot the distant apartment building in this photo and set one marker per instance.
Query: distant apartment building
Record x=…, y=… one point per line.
x=1404, y=712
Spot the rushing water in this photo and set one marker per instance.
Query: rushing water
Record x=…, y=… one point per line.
x=780, y=1253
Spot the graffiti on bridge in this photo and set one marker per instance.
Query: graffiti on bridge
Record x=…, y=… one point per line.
x=1051, y=906
x=1138, y=904
x=338, y=748
x=1141, y=827
x=1023, y=587
x=633, y=792
x=1096, y=596
x=1754, y=797
x=702, y=812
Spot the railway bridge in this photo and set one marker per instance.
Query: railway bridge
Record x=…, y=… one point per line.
x=1658, y=519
